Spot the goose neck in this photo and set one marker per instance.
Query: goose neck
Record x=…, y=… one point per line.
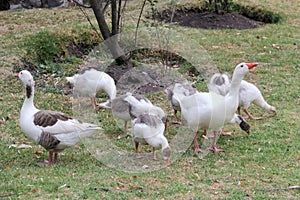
x=164, y=142
x=235, y=85
x=29, y=89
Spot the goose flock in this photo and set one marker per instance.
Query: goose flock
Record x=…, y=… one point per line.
x=56, y=131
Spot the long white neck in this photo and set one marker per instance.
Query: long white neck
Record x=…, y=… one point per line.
x=164, y=142
x=232, y=98
x=235, y=85
x=27, y=113
x=29, y=96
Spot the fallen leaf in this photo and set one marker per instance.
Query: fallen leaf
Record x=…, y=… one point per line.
x=277, y=46
x=120, y=186
x=63, y=186
x=21, y=146
x=145, y=167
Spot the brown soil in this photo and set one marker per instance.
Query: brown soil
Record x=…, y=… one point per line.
x=154, y=81
x=210, y=20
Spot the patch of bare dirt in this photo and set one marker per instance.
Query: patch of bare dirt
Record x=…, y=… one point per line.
x=210, y=20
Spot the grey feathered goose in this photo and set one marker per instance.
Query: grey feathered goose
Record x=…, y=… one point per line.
x=148, y=127
x=248, y=93
x=176, y=93
x=130, y=106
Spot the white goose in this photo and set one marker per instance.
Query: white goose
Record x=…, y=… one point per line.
x=210, y=110
x=121, y=108
x=92, y=82
x=129, y=106
x=182, y=90
x=54, y=131
x=248, y=93
x=174, y=95
x=139, y=106
x=150, y=128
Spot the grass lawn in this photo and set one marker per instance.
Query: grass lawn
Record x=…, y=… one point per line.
x=258, y=166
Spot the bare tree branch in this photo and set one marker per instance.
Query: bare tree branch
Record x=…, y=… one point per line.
x=119, y=15
x=114, y=20
x=93, y=27
x=81, y=4
x=138, y=22
x=106, y=5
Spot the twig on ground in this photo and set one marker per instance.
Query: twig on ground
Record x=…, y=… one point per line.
x=295, y=187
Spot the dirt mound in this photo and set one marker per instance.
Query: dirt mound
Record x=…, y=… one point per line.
x=210, y=20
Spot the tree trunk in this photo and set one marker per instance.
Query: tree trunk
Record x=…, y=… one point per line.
x=4, y=5
x=110, y=40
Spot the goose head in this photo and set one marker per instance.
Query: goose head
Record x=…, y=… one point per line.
x=243, y=68
x=71, y=80
x=272, y=110
x=26, y=77
x=166, y=153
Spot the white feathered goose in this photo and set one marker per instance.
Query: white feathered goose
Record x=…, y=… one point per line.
x=54, y=131
x=176, y=93
x=210, y=110
x=129, y=106
x=91, y=82
x=143, y=105
x=150, y=128
x=248, y=93
x=120, y=107
x=181, y=90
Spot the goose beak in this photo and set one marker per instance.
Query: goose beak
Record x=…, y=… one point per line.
x=251, y=65
x=16, y=75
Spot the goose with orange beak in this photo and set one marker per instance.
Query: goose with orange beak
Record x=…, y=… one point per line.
x=210, y=111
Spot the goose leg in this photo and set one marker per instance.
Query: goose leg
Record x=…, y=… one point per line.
x=50, y=157
x=94, y=103
x=197, y=149
x=154, y=154
x=125, y=126
x=228, y=133
x=214, y=147
x=137, y=149
x=47, y=162
x=55, y=157
x=175, y=121
x=208, y=135
x=239, y=110
x=251, y=116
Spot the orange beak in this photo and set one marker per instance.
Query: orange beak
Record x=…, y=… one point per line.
x=251, y=65
x=16, y=75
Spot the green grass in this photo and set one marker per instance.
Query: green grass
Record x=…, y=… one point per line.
x=268, y=158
